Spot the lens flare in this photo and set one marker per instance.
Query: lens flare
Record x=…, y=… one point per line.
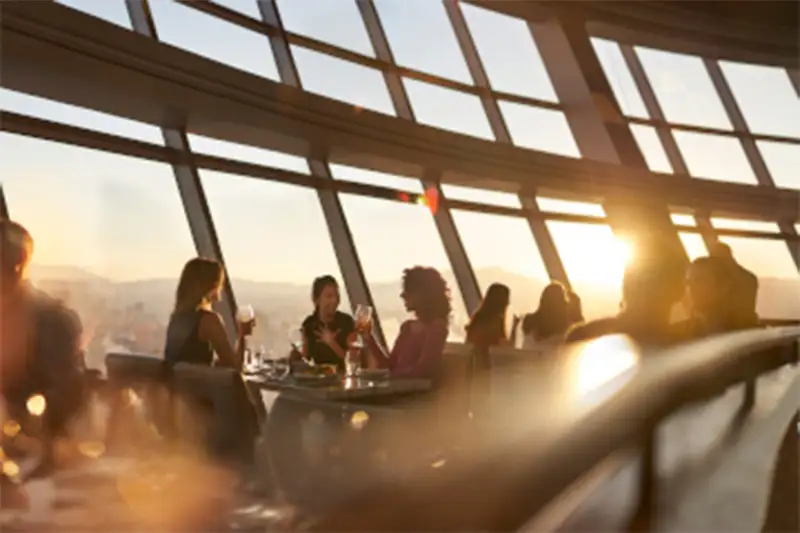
x=10, y=468
x=92, y=448
x=359, y=420
x=36, y=405
x=11, y=428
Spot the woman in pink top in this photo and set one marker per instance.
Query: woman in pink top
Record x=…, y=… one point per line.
x=417, y=352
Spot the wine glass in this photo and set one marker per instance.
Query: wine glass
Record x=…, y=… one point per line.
x=296, y=339
x=245, y=314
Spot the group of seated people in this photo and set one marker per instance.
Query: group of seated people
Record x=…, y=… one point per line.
x=40, y=338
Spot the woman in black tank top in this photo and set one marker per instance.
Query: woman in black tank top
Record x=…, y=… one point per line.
x=327, y=332
x=195, y=332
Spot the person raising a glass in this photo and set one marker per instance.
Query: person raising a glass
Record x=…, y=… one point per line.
x=327, y=332
x=418, y=349
x=195, y=332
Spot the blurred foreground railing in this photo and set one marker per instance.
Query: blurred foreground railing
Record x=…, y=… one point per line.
x=541, y=464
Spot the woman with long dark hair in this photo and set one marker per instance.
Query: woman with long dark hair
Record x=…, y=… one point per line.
x=418, y=348
x=327, y=332
x=195, y=332
x=487, y=325
x=550, y=322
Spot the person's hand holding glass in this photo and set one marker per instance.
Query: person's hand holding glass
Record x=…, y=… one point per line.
x=363, y=326
x=245, y=320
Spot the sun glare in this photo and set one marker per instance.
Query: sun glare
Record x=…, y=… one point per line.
x=592, y=254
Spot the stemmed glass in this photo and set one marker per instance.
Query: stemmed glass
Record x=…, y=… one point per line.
x=296, y=339
x=362, y=317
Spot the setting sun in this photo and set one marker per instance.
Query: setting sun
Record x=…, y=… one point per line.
x=592, y=254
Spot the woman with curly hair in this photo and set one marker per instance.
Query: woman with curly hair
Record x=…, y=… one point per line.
x=418, y=348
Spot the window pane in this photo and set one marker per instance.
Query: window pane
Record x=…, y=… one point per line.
x=371, y=177
x=245, y=7
x=342, y=80
x=570, y=207
x=508, y=53
x=235, y=46
x=595, y=262
x=680, y=219
x=620, y=78
x=392, y=236
x=539, y=129
x=766, y=97
x=422, y=38
x=337, y=22
x=683, y=88
x=448, y=109
x=36, y=107
x=481, y=196
x=715, y=157
x=111, y=238
x=247, y=154
x=693, y=244
x=783, y=162
x=745, y=225
x=651, y=147
x=779, y=285
x=275, y=242
x=501, y=249
x=112, y=11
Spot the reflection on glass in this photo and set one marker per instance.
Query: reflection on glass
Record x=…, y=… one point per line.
x=337, y=22
x=683, y=88
x=422, y=38
x=275, y=241
x=389, y=237
x=779, y=284
x=570, y=207
x=745, y=225
x=782, y=160
x=715, y=157
x=766, y=97
x=620, y=78
x=508, y=53
x=34, y=106
x=247, y=154
x=602, y=363
x=537, y=128
x=233, y=45
x=501, y=249
x=342, y=80
x=111, y=238
x=112, y=11
x=694, y=245
x=651, y=148
x=448, y=109
x=595, y=262
x=481, y=196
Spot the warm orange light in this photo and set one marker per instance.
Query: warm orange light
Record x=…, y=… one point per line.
x=36, y=405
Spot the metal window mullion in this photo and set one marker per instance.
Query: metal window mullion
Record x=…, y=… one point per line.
x=794, y=77
x=343, y=244
x=751, y=150
x=3, y=204
x=707, y=231
x=665, y=135
x=443, y=218
x=188, y=181
x=540, y=232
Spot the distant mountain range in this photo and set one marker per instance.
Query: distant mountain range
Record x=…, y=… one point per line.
x=779, y=298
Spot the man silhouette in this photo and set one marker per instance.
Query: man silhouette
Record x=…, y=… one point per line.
x=40, y=350
x=744, y=293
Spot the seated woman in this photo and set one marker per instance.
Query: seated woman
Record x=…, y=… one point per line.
x=417, y=352
x=548, y=325
x=195, y=332
x=487, y=325
x=327, y=332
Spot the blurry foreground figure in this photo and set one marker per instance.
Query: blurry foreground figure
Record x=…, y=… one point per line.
x=41, y=362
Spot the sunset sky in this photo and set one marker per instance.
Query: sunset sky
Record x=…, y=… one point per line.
x=121, y=217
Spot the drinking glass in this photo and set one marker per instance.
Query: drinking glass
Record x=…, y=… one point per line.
x=296, y=339
x=245, y=314
x=363, y=317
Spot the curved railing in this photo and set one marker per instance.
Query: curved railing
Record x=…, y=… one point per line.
x=519, y=470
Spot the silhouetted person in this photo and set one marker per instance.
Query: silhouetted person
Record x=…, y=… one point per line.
x=487, y=326
x=549, y=323
x=327, y=332
x=744, y=291
x=195, y=332
x=417, y=351
x=709, y=285
x=40, y=345
x=652, y=283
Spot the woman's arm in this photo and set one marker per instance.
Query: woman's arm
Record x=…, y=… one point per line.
x=426, y=366
x=378, y=352
x=213, y=330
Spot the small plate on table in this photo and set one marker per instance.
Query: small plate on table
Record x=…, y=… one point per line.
x=375, y=374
